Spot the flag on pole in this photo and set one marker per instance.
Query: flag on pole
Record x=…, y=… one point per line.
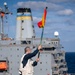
x=42, y=22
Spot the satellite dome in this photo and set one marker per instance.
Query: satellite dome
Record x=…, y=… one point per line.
x=56, y=33
x=5, y=3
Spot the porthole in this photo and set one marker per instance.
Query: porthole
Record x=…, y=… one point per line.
x=17, y=49
x=40, y=62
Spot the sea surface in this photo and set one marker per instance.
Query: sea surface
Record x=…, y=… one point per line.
x=70, y=59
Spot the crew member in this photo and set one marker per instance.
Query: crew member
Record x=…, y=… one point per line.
x=26, y=63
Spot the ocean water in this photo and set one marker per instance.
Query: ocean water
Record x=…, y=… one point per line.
x=70, y=59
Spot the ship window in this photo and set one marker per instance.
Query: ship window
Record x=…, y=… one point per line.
x=25, y=42
x=33, y=36
x=40, y=62
x=22, y=10
x=48, y=48
x=17, y=49
x=55, y=68
x=22, y=28
x=52, y=42
x=56, y=61
x=62, y=60
x=29, y=42
x=33, y=46
x=61, y=66
x=14, y=43
x=56, y=42
x=33, y=26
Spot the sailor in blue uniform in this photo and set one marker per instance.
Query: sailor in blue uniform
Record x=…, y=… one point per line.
x=26, y=63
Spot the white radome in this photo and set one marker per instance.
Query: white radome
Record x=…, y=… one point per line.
x=56, y=33
x=5, y=3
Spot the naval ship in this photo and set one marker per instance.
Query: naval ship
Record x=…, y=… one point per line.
x=52, y=58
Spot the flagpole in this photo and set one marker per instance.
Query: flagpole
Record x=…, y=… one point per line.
x=41, y=40
x=42, y=35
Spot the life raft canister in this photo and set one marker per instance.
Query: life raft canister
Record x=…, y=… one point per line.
x=3, y=65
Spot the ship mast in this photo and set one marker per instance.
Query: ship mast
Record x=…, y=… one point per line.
x=2, y=14
x=2, y=29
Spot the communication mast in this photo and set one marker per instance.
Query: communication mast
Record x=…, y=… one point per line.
x=2, y=14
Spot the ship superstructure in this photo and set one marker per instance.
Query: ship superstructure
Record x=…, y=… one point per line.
x=52, y=58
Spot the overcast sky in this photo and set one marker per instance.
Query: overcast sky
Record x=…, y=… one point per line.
x=60, y=17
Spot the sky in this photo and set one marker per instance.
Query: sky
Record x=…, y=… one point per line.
x=60, y=17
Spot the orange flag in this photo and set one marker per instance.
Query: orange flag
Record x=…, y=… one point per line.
x=2, y=14
x=42, y=22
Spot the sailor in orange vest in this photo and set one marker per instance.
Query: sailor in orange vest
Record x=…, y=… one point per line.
x=26, y=63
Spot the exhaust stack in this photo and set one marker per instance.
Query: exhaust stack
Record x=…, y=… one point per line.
x=25, y=27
